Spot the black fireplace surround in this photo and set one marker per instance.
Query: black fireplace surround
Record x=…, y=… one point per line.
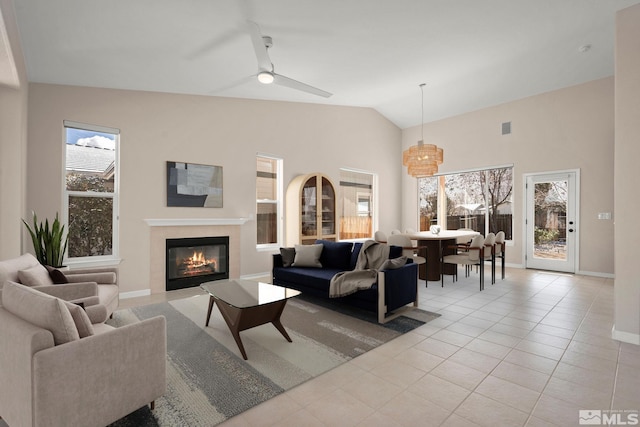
x=195, y=260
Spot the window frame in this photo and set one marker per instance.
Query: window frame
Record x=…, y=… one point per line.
x=278, y=202
x=98, y=260
x=441, y=191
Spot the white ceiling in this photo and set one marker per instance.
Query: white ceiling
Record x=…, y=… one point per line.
x=369, y=53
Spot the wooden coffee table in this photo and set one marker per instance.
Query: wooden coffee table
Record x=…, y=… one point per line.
x=245, y=304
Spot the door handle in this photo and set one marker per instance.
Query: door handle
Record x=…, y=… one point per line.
x=571, y=230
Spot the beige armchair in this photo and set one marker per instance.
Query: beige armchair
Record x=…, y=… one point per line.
x=84, y=284
x=56, y=369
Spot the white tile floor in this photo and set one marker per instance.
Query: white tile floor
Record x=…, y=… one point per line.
x=532, y=349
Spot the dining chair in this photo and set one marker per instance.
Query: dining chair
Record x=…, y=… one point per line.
x=380, y=237
x=474, y=256
x=490, y=254
x=409, y=231
x=408, y=249
x=464, y=241
x=396, y=231
x=500, y=249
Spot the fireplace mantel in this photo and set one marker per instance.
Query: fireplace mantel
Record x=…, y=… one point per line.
x=173, y=222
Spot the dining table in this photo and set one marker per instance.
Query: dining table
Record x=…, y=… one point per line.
x=433, y=246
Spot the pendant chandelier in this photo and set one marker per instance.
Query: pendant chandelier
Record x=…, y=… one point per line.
x=422, y=159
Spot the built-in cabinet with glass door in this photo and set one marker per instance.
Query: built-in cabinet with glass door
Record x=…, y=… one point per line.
x=311, y=210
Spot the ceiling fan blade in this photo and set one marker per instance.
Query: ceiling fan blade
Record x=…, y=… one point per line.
x=234, y=84
x=213, y=44
x=294, y=84
x=264, y=62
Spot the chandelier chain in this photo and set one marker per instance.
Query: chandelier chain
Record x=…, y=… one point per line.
x=422, y=112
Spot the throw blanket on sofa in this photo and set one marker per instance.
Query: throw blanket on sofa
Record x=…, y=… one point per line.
x=373, y=257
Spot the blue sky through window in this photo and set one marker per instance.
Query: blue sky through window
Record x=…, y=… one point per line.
x=90, y=138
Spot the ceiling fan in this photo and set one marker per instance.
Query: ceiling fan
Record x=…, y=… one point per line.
x=266, y=73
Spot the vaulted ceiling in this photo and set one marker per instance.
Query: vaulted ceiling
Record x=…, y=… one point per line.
x=370, y=53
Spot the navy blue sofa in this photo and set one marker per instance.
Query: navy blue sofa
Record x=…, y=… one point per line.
x=389, y=297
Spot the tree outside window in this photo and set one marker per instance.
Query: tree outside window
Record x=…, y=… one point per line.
x=476, y=200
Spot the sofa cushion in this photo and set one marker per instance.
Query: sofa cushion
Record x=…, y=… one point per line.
x=40, y=309
x=317, y=278
x=335, y=254
x=81, y=319
x=288, y=256
x=308, y=256
x=56, y=275
x=35, y=276
x=354, y=255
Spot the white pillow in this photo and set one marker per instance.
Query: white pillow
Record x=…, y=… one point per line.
x=308, y=256
x=35, y=276
x=40, y=309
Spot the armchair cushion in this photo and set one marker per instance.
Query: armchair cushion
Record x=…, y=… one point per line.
x=81, y=319
x=35, y=276
x=9, y=268
x=56, y=275
x=40, y=309
x=97, y=314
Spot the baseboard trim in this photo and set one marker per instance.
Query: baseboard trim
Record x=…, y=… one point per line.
x=134, y=294
x=596, y=274
x=627, y=337
x=256, y=276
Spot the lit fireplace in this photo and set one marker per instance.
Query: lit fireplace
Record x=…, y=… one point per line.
x=193, y=261
x=197, y=264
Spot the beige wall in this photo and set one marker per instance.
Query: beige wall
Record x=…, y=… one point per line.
x=627, y=154
x=570, y=128
x=13, y=135
x=157, y=127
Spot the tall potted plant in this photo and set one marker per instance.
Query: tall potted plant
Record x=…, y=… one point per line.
x=49, y=243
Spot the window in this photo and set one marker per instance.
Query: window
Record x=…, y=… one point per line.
x=356, y=193
x=268, y=201
x=480, y=200
x=91, y=190
x=428, y=202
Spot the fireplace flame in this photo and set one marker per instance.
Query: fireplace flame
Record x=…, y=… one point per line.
x=198, y=264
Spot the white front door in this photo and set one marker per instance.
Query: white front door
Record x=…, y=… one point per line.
x=551, y=221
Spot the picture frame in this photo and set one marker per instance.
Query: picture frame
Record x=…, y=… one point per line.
x=194, y=185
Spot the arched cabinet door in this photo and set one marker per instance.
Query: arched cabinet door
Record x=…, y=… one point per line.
x=311, y=210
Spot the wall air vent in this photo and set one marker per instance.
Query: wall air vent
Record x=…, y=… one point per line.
x=506, y=128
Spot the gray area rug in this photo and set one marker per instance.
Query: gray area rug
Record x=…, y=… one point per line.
x=209, y=382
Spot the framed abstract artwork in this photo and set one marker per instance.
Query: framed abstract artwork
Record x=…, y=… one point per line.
x=194, y=185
